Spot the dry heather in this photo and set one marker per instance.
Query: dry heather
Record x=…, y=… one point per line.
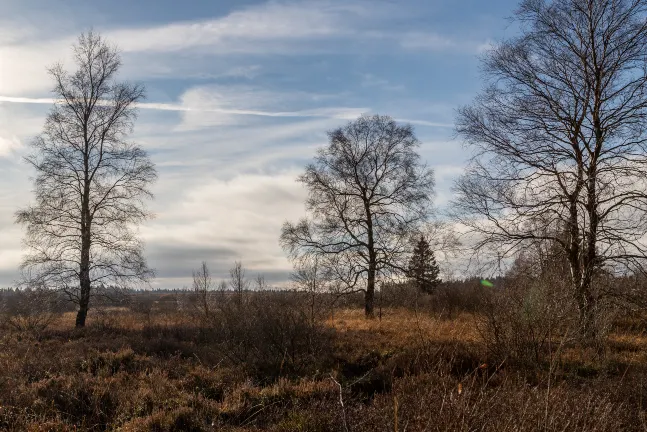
x=409, y=371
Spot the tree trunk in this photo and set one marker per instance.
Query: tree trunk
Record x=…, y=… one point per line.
x=369, y=295
x=84, y=282
x=84, y=271
x=83, y=310
x=586, y=306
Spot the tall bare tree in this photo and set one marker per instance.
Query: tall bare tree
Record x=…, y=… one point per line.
x=203, y=290
x=238, y=281
x=91, y=182
x=368, y=191
x=309, y=277
x=559, y=139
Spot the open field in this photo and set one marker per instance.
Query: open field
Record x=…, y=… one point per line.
x=410, y=371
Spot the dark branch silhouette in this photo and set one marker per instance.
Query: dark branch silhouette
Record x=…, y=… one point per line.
x=91, y=183
x=368, y=191
x=560, y=143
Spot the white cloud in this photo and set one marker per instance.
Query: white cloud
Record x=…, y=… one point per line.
x=427, y=41
x=486, y=46
x=18, y=124
x=245, y=30
x=370, y=80
x=23, y=67
x=232, y=219
x=287, y=28
x=8, y=145
x=228, y=155
x=10, y=34
x=208, y=106
x=426, y=123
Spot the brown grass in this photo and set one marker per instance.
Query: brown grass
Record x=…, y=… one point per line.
x=165, y=373
x=405, y=327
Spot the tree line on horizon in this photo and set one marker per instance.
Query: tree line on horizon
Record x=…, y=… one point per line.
x=558, y=138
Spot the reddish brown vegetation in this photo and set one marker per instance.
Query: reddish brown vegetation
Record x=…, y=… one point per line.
x=412, y=370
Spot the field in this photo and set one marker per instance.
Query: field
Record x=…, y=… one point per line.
x=274, y=368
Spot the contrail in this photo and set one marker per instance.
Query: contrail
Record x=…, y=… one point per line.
x=342, y=113
x=336, y=113
x=27, y=100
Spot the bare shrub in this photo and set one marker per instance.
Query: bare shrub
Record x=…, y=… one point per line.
x=238, y=281
x=525, y=320
x=447, y=300
x=104, y=318
x=454, y=297
x=311, y=279
x=30, y=309
x=272, y=334
x=400, y=295
x=202, y=299
x=142, y=305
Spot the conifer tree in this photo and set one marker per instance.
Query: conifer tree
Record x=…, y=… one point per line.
x=423, y=270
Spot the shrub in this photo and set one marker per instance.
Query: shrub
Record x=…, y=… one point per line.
x=31, y=310
x=272, y=334
x=525, y=320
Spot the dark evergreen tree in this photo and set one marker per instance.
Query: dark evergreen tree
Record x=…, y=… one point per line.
x=423, y=269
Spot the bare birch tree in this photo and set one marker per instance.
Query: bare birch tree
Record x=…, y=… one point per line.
x=311, y=278
x=368, y=191
x=238, y=281
x=91, y=182
x=203, y=291
x=560, y=143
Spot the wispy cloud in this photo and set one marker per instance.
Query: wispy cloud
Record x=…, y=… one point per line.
x=286, y=28
x=26, y=100
x=241, y=31
x=426, y=41
x=238, y=104
x=429, y=41
x=193, y=105
x=7, y=145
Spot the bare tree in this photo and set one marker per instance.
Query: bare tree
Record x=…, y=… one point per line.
x=368, y=191
x=311, y=278
x=91, y=183
x=261, y=284
x=237, y=280
x=560, y=143
x=202, y=289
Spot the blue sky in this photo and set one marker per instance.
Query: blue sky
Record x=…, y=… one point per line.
x=240, y=94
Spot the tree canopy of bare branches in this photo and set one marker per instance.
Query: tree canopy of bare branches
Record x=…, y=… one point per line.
x=368, y=191
x=238, y=280
x=560, y=143
x=91, y=182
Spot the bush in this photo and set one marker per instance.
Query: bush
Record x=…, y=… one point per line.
x=29, y=310
x=526, y=320
x=272, y=333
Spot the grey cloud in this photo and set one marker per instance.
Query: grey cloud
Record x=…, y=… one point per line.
x=174, y=264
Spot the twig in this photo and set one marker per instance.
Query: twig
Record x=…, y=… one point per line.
x=341, y=402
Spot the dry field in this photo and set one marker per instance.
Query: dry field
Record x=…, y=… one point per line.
x=408, y=371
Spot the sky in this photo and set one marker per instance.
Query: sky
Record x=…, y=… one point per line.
x=240, y=95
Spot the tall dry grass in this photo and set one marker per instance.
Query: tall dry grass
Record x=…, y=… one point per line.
x=262, y=368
